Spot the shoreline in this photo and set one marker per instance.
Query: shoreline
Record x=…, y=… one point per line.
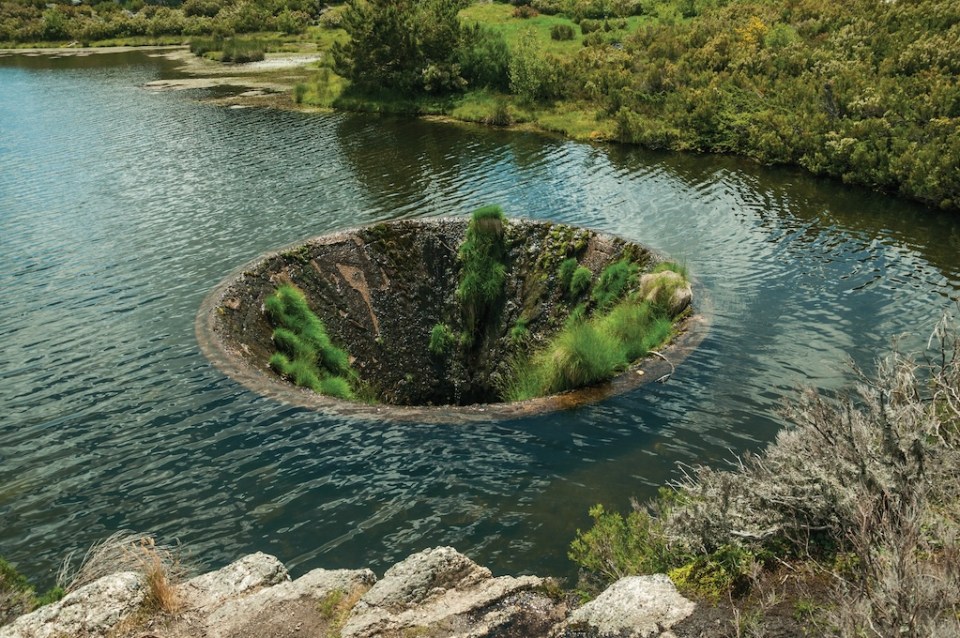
x=271, y=83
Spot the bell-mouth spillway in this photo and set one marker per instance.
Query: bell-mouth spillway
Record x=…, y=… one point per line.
x=380, y=290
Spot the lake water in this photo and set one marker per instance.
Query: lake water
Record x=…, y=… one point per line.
x=120, y=208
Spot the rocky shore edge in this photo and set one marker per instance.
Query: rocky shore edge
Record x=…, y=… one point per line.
x=435, y=593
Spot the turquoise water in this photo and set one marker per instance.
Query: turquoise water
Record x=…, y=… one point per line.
x=120, y=208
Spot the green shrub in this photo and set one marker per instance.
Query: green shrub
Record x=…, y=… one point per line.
x=590, y=26
x=615, y=547
x=580, y=281
x=483, y=272
x=561, y=32
x=613, y=282
x=717, y=575
x=441, y=339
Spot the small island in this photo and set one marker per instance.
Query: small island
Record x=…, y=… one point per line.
x=447, y=312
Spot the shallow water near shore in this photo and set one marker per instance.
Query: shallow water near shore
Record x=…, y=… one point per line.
x=120, y=208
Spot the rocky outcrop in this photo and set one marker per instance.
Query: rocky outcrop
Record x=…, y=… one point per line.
x=437, y=593
x=206, y=592
x=92, y=610
x=633, y=607
x=440, y=592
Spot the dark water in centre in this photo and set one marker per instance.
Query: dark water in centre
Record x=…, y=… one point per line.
x=121, y=207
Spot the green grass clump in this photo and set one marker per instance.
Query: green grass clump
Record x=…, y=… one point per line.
x=680, y=269
x=519, y=332
x=580, y=356
x=241, y=50
x=565, y=272
x=613, y=282
x=305, y=354
x=590, y=349
x=580, y=281
x=441, y=339
x=483, y=272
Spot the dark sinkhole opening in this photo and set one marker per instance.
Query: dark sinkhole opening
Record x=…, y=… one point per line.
x=449, y=312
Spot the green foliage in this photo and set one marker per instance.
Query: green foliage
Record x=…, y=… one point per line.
x=581, y=355
x=580, y=281
x=561, y=32
x=441, y=339
x=716, y=575
x=617, y=546
x=401, y=45
x=613, y=282
x=533, y=74
x=589, y=350
x=483, y=270
x=305, y=354
x=17, y=595
x=484, y=58
x=565, y=272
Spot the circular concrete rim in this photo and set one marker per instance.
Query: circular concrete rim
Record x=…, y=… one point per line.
x=225, y=357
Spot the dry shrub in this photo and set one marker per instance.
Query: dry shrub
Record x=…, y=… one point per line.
x=161, y=567
x=871, y=477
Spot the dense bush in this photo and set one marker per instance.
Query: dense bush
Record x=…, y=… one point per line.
x=561, y=32
x=876, y=515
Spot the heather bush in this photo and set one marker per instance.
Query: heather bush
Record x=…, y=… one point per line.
x=862, y=485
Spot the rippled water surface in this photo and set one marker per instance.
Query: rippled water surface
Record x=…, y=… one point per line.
x=120, y=208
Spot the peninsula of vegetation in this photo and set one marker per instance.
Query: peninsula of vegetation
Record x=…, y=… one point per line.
x=866, y=92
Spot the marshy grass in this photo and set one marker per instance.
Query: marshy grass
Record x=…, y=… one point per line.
x=230, y=49
x=305, y=354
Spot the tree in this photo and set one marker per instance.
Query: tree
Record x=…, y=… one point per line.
x=401, y=45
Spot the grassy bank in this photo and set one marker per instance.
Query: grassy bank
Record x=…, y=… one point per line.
x=867, y=93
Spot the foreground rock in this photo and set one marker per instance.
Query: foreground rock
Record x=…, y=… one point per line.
x=437, y=593
x=92, y=610
x=633, y=607
x=440, y=592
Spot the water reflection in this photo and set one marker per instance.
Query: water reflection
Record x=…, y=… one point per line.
x=120, y=208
